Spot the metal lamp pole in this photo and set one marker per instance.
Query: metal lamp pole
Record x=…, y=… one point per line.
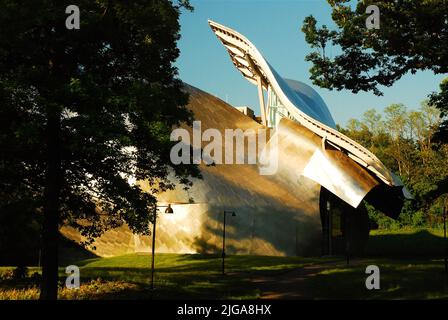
x=154, y=222
x=347, y=238
x=223, y=255
x=330, y=229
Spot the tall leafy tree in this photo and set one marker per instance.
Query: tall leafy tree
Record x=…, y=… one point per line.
x=412, y=36
x=440, y=100
x=405, y=144
x=85, y=111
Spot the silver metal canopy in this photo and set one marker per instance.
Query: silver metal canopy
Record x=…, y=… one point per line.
x=294, y=100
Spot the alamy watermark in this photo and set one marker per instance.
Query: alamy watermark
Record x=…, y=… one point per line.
x=373, y=20
x=373, y=280
x=73, y=278
x=73, y=20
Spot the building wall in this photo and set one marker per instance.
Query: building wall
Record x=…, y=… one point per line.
x=274, y=215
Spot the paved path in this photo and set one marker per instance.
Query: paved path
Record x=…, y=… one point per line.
x=291, y=284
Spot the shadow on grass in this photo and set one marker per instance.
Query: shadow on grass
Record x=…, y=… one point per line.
x=172, y=284
x=71, y=252
x=398, y=280
x=195, y=276
x=410, y=264
x=409, y=245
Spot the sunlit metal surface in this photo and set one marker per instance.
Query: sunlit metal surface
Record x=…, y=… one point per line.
x=303, y=105
x=300, y=152
x=278, y=214
x=274, y=217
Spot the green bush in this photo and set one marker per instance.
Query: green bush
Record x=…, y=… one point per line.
x=410, y=217
x=383, y=221
x=418, y=219
x=20, y=272
x=95, y=289
x=6, y=274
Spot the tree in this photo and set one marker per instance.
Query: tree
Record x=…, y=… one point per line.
x=412, y=36
x=404, y=143
x=84, y=112
x=373, y=121
x=19, y=230
x=440, y=101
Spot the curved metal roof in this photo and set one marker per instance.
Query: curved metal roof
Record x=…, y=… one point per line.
x=302, y=102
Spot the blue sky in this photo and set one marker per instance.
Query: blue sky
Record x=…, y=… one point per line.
x=273, y=26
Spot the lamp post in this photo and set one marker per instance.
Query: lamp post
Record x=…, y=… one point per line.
x=348, y=234
x=168, y=210
x=223, y=255
x=330, y=229
x=347, y=237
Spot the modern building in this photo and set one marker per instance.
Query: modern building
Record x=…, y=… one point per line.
x=313, y=202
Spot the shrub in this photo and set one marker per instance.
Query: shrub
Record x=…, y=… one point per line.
x=418, y=219
x=6, y=275
x=20, y=272
x=93, y=290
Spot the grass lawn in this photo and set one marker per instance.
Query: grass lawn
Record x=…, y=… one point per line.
x=178, y=276
x=192, y=276
x=406, y=243
x=400, y=279
x=411, y=268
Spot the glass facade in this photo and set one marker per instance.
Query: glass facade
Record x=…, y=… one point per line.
x=275, y=109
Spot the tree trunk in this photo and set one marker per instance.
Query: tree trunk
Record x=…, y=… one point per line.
x=49, y=285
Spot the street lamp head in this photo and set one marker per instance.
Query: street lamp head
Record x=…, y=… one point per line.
x=169, y=209
x=230, y=212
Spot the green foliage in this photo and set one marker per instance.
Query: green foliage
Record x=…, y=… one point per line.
x=20, y=228
x=440, y=100
x=84, y=112
x=383, y=221
x=20, y=272
x=92, y=290
x=110, y=89
x=412, y=36
x=403, y=141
